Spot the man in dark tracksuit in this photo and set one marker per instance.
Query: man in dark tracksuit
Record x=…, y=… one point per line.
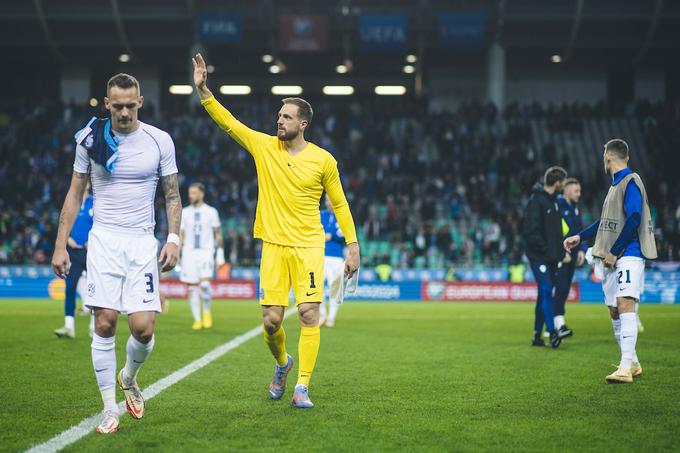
x=568, y=203
x=543, y=246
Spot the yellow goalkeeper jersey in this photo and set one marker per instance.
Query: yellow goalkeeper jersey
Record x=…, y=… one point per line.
x=289, y=187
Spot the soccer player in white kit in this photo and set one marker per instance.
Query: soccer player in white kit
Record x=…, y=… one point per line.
x=334, y=265
x=200, y=233
x=122, y=258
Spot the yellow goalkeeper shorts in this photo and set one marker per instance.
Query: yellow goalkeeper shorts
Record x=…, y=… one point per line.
x=283, y=266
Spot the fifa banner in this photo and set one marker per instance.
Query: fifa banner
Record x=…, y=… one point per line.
x=384, y=33
x=486, y=291
x=219, y=28
x=303, y=33
x=461, y=30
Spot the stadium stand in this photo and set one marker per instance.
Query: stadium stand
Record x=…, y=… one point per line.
x=428, y=189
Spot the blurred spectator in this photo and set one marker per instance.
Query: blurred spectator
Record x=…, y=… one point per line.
x=427, y=189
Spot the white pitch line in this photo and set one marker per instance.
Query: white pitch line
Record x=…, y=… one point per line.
x=88, y=425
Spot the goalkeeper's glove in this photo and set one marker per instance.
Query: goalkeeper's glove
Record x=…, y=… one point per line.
x=219, y=257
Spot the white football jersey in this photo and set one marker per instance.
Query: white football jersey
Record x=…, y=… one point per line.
x=197, y=225
x=124, y=198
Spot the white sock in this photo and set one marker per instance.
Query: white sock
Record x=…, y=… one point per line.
x=69, y=322
x=628, y=338
x=104, y=363
x=559, y=321
x=137, y=353
x=334, y=307
x=206, y=296
x=616, y=324
x=195, y=302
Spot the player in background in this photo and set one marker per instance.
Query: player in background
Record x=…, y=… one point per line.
x=624, y=238
x=543, y=238
x=292, y=174
x=76, y=246
x=334, y=263
x=201, y=238
x=124, y=159
x=568, y=203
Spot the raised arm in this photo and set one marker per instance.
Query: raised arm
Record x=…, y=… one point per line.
x=173, y=207
x=74, y=198
x=244, y=136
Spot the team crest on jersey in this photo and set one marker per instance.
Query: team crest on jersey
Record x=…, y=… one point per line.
x=89, y=141
x=90, y=289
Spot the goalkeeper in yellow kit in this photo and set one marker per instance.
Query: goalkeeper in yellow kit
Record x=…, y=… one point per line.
x=292, y=175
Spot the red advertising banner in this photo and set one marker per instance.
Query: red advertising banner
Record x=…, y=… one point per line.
x=299, y=33
x=486, y=291
x=225, y=290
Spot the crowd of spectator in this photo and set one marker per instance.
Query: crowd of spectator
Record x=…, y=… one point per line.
x=427, y=189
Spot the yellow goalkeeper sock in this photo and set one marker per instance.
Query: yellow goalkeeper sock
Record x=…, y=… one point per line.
x=277, y=345
x=308, y=349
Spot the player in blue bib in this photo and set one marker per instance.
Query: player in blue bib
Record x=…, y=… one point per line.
x=334, y=265
x=77, y=250
x=571, y=215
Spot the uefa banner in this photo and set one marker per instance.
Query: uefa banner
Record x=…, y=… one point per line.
x=383, y=33
x=486, y=291
x=303, y=33
x=461, y=30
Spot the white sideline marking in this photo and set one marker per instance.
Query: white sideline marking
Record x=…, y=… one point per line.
x=88, y=425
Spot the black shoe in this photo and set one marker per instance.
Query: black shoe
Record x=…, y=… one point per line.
x=555, y=339
x=565, y=332
x=537, y=341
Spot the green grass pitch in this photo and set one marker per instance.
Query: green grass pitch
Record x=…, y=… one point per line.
x=390, y=376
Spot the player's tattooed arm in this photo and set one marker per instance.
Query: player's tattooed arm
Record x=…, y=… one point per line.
x=173, y=202
x=69, y=211
x=173, y=207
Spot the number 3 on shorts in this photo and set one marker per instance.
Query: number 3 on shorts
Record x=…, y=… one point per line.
x=149, y=282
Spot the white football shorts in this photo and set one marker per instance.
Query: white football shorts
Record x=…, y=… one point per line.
x=122, y=271
x=627, y=279
x=197, y=265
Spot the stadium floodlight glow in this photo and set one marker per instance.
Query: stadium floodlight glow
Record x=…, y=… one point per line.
x=235, y=89
x=390, y=90
x=341, y=69
x=266, y=58
x=93, y=102
x=556, y=59
x=409, y=69
x=123, y=58
x=181, y=89
x=338, y=90
x=411, y=58
x=275, y=69
x=210, y=68
x=286, y=90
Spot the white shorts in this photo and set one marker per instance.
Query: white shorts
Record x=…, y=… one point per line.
x=197, y=265
x=334, y=268
x=122, y=271
x=627, y=279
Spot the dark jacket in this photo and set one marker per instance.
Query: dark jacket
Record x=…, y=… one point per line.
x=542, y=227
